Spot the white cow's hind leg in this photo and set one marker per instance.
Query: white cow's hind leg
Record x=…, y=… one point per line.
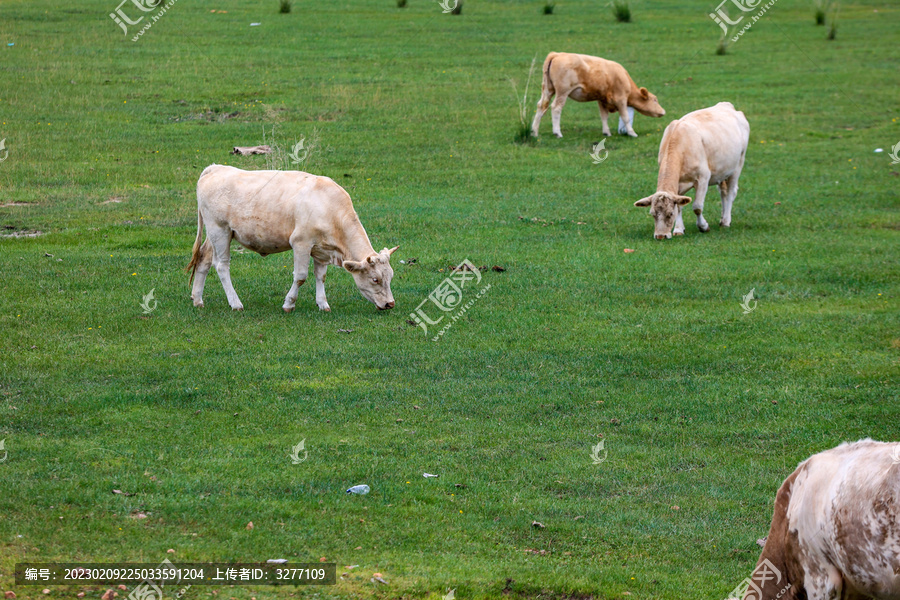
x=556, y=113
x=699, y=198
x=301, y=272
x=604, y=118
x=202, y=269
x=220, y=238
x=319, y=269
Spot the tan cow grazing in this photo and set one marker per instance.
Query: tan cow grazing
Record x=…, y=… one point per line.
x=276, y=211
x=835, y=534
x=704, y=147
x=586, y=78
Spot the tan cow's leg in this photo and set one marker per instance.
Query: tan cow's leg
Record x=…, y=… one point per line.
x=301, y=272
x=206, y=257
x=623, y=115
x=319, y=269
x=556, y=112
x=604, y=118
x=220, y=238
x=542, y=106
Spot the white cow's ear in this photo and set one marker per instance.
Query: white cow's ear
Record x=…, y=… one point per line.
x=643, y=201
x=682, y=200
x=354, y=266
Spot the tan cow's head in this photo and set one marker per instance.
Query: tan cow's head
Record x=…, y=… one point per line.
x=373, y=278
x=664, y=209
x=646, y=103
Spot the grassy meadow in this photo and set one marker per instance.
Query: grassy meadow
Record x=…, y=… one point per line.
x=703, y=409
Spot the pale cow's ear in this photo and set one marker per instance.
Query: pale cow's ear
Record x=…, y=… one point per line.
x=354, y=266
x=370, y=260
x=643, y=201
x=682, y=200
x=644, y=93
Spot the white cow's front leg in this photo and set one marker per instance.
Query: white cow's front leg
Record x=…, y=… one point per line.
x=604, y=118
x=319, y=270
x=679, y=222
x=699, y=197
x=221, y=242
x=301, y=272
x=556, y=113
x=623, y=116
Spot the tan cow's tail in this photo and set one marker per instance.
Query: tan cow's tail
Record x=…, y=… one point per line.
x=547, y=89
x=196, y=254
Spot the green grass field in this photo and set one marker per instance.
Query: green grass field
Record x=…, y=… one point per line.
x=703, y=409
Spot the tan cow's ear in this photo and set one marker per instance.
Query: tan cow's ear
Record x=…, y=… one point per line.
x=354, y=266
x=392, y=250
x=643, y=201
x=682, y=200
x=644, y=93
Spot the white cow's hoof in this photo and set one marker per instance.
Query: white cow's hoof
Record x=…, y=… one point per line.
x=678, y=233
x=703, y=229
x=238, y=307
x=559, y=135
x=606, y=133
x=632, y=134
x=724, y=224
x=325, y=308
x=198, y=304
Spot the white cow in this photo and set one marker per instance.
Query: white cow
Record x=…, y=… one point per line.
x=704, y=147
x=275, y=211
x=835, y=533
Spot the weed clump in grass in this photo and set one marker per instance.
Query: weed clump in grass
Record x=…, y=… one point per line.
x=549, y=6
x=523, y=129
x=457, y=10
x=622, y=11
x=722, y=46
x=822, y=7
x=285, y=7
x=401, y=3
x=832, y=29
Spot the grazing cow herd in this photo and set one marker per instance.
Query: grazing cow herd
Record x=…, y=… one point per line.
x=835, y=534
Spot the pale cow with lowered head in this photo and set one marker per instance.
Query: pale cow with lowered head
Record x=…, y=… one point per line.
x=586, y=78
x=275, y=211
x=704, y=147
x=835, y=533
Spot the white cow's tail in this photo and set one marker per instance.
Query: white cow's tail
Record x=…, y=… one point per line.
x=196, y=254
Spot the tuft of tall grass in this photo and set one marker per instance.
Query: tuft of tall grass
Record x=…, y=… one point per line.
x=622, y=11
x=457, y=10
x=832, y=29
x=821, y=11
x=549, y=6
x=523, y=133
x=285, y=7
x=401, y=3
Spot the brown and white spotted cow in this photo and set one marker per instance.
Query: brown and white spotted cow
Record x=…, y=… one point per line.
x=835, y=534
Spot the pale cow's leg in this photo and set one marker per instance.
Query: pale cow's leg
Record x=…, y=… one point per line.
x=542, y=106
x=700, y=188
x=220, y=238
x=556, y=112
x=604, y=118
x=319, y=269
x=679, y=222
x=730, y=194
x=301, y=272
x=203, y=267
x=623, y=116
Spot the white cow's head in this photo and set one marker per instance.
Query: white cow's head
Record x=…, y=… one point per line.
x=373, y=277
x=664, y=209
